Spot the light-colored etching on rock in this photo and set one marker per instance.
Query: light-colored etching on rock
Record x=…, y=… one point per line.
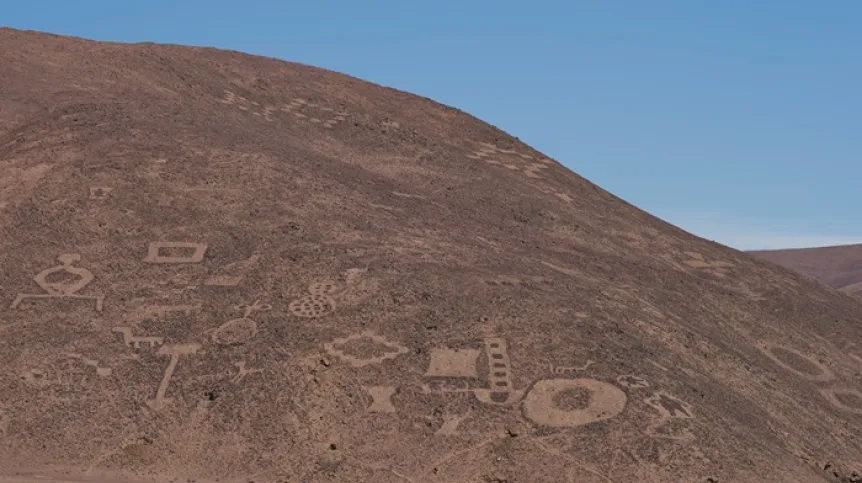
x=181, y=281
x=235, y=377
x=716, y=267
x=36, y=377
x=324, y=287
x=340, y=348
x=664, y=428
x=855, y=353
x=237, y=269
x=548, y=190
x=62, y=371
x=312, y=306
x=4, y=419
x=154, y=252
x=381, y=397
x=499, y=375
x=243, y=329
x=324, y=296
x=353, y=275
x=409, y=195
x=450, y=425
x=797, y=362
x=510, y=281
x=314, y=113
x=632, y=382
x=229, y=97
x=510, y=159
x=236, y=331
x=499, y=390
x=63, y=289
x=242, y=371
x=174, y=352
x=563, y=196
x=453, y=363
x=134, y=341
x=670, y=406
x=568, y=370
x=849, y=400
x=100, y=371
x=566, y=271
x=384, y=207
x=566, y=403
x=246, y=105
x=99, y=192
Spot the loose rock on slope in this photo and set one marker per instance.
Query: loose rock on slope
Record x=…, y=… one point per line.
x=220, y=266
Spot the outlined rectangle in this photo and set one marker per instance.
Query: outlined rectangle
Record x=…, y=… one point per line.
x=197, y=256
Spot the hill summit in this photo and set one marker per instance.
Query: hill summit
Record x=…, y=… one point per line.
x=217, y=266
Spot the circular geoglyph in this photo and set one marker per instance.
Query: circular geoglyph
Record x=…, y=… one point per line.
x=547, y=404
x=845, y=399
x=800, y=364
x=236, y=331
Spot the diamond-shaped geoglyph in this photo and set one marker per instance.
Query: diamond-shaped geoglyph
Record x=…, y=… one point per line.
x=364, y=349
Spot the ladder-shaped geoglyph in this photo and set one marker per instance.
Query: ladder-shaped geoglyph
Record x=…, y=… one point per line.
x=455, y=370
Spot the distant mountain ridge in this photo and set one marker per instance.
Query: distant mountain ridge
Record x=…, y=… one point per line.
x=839, y=267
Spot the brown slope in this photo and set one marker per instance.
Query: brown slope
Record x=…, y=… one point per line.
x=378, y=288
x=840, y=267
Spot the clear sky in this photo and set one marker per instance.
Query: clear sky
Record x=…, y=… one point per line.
x=740, y=121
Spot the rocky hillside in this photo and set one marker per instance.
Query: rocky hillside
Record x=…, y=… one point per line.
x=221, y=266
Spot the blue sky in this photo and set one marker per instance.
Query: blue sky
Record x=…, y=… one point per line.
x=740, y=121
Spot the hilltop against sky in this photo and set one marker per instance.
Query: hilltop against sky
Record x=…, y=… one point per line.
x=735, y=123
x=221, y=266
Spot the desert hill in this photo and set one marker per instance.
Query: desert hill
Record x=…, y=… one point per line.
x=840, y=267
x=217, y=266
